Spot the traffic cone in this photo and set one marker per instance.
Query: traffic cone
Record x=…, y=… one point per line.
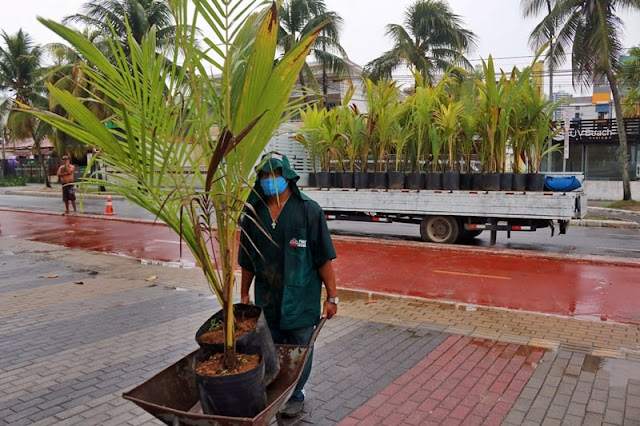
x=108, y=210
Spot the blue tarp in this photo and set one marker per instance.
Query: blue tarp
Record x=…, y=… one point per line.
x=564, y=183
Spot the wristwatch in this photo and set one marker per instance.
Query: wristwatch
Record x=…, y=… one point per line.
x=333, y=300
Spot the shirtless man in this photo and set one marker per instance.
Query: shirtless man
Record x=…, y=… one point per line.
x=66, y=173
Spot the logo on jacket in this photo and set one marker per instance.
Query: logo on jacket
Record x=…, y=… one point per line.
x=294, y=242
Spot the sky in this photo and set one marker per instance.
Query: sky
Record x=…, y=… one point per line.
x=501, y=30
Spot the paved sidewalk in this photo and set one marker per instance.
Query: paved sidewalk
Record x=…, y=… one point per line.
x=79, y=328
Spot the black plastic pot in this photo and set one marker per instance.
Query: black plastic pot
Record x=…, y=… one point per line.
x=361, y=180
x=506, y=181
x=344, y=180
x=312, y=179
x=535, y=182
x=378, y=180
x=257, y=341
x=414, y=181
x=491, y=182
x=235, y=395
x=466, y=181
x=451, y=181
x=396, y=180
x=324, y=180
x=476, y=182
x=519, y=182
x=434, y=181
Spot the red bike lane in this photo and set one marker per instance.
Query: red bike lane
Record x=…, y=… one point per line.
x=590, y=287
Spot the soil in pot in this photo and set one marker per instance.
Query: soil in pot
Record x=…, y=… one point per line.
x=252, y=336
x=237, y=393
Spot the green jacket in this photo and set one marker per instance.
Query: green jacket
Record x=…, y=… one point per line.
x=287, y=283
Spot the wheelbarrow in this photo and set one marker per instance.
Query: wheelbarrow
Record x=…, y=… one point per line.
x=172, y=395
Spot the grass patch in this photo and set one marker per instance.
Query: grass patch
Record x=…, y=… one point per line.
x=13, y=181
x=631, y=205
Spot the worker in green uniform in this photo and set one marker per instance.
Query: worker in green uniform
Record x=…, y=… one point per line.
x=290, y=264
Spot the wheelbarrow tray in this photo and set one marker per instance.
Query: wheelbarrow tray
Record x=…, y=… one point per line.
x=172, y=395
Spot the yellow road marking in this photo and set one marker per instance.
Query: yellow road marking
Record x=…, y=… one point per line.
x=498, y=277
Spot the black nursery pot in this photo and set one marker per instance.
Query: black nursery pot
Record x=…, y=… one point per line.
x=506, y=181
x=535, y=182
x=235, y=395
x=324, y=180
x=451, y=181
x=434, y=181
x=396, y=180
x=256, y=341
x=519, y=182
x=344, y=180
x=360, y=180
x=491, y=182
x=378, y=180
x=465, y=181
x=414, y=181
x=476, y=182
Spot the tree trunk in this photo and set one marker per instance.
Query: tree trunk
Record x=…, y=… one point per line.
x=622, y=134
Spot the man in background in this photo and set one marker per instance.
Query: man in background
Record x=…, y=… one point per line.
x=66, y=174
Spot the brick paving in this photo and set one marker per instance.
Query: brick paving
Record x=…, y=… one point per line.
x=77, y=329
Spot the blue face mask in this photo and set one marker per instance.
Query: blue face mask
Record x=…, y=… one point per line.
x=270, y=184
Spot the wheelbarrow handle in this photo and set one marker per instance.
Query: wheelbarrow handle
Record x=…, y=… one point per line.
x=316, y=331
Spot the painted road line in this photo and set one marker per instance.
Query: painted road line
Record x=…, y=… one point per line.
x=498, y=277
x=167, y=241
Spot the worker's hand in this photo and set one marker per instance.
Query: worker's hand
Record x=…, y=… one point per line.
x=245, y=300
x=329, y=309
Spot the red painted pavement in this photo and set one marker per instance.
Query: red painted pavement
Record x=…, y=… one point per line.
x=463, y=381
x=488, y=277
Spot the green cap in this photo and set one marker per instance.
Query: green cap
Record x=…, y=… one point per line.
x=273, y=161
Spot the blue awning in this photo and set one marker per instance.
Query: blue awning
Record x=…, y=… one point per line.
x=602, y=108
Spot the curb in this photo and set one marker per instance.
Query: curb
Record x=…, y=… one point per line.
x=79, y=194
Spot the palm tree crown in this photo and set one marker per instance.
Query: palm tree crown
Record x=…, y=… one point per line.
x=432, y=39
x=297, y=19
x=141, y=15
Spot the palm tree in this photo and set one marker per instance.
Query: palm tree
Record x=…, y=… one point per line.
x=432, y=39
x=591, y=30
x=630, y=79
x=20, y=78
x=297, y=19
x=111, y=17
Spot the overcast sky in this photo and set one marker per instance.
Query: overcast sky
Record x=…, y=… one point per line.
x=498, y=24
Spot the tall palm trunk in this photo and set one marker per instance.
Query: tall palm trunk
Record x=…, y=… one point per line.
x=622, y=134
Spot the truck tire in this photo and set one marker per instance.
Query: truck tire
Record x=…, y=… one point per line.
x=439, y=229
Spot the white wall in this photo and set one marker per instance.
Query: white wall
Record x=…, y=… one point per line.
x=602, y=190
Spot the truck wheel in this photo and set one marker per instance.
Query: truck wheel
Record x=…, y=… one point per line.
x=439, y=229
